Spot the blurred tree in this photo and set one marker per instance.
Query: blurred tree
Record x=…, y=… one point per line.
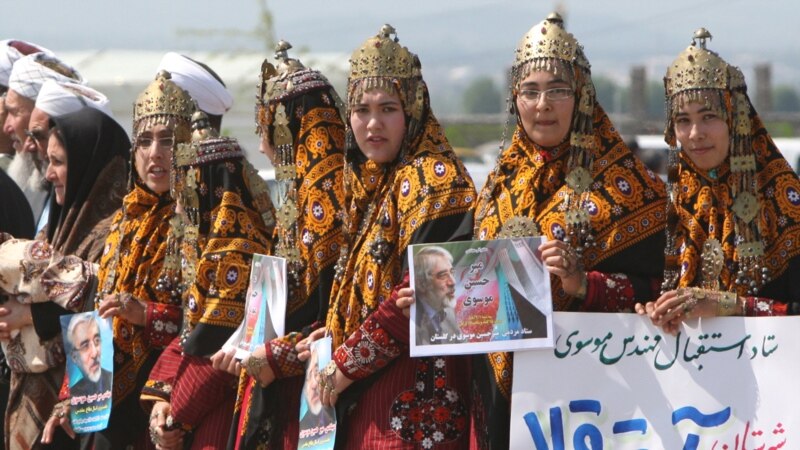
x=482, y=97
x=785, y=99
x=472, y=134
x=607, y=91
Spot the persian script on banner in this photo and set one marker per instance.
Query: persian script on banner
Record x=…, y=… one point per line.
x=479, y=297
x=615, y=381
x=265, y=308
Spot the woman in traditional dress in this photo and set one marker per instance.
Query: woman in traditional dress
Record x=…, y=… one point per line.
x=226, y=217
x=734, y=213
x=145, y=317
x=404, y=185
x=569, y=176
x=302, y=133
x=88, y=153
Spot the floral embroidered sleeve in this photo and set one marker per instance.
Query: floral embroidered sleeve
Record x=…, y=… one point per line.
x=616, y=292
x=282, y=356
x=759, y=306
x=162, y=324
x=379, y=340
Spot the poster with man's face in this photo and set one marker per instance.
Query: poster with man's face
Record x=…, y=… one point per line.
x=88, y=345
x=265, y=308
x=479, y=297
x=317, y=422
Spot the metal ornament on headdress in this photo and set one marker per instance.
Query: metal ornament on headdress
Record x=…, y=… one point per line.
x=695, y=74
x=161, y=101
x=545, y=42
x=289, y=79
x=382, y=56
x=279, y=84
x=547, y=46
x=699, y=75
x=382, y=63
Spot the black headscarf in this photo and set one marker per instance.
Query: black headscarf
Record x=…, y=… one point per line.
x=16, y=217
x=97, y=148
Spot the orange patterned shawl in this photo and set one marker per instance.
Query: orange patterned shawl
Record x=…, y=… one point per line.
x=389, y=207
x=704, y=208
x=140, y=236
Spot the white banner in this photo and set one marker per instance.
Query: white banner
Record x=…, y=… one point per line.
x=613, y=381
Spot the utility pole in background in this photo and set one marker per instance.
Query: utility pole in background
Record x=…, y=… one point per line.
x=264, y=31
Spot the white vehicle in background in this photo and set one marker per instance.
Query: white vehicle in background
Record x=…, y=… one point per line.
x=790, y=149
x=478, y=161
x=652, y=150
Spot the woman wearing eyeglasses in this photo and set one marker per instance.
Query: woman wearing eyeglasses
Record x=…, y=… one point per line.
x=129, y=283
x=568, y=176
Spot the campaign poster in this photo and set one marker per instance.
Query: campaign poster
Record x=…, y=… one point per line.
x=479, y=297
x=265, y=307
x=89, y=347
x=317, y=422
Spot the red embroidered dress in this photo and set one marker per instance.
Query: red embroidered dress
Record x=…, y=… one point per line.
x=425, y=195
x=229, y=213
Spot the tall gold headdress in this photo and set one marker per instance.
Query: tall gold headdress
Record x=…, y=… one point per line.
x=549, y=47
x=163, y=102
x=699, y=75
x=544, y=45
x=382, y=63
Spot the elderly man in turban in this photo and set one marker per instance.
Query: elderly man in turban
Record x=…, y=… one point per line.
x=27, y=77
x=10, y=51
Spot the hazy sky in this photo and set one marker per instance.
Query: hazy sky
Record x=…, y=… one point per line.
x=464, y=37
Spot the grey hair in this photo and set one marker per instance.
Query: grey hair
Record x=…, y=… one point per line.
x=76, y=320
x=423, y=263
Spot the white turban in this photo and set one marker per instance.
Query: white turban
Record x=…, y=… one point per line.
x=30, y=73
x=57, y=98
x=209, y=93
x=10, y=51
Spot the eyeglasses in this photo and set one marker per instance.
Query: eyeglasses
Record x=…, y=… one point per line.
x=36, y=135
x=144, y=143
x=554, y=94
